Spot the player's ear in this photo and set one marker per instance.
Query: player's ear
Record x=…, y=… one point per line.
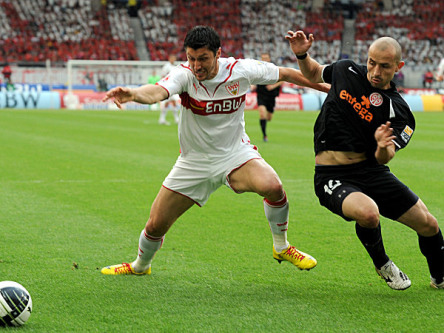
x=218, y=53
x=400, y=65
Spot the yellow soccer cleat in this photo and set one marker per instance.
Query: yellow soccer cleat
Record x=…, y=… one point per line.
x=298, y=258
x=123, y=269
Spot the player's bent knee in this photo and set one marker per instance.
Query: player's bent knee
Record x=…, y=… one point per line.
x=430, y=226
x=271, y=189
x=368, y=218
x=275, y=195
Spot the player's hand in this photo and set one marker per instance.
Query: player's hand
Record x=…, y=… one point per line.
x=384, y=135
x=119, y=95
x=325, y=87
x=299, y=43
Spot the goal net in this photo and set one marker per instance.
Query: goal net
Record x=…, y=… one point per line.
x=101, y=75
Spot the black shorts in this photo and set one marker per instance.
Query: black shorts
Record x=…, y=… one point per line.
x=334, y=183
x=268, y=101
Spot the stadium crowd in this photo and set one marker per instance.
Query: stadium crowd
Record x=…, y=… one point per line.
x=58, y=30
x=416, y=24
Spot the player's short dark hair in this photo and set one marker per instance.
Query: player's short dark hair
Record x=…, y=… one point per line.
x=202, y=36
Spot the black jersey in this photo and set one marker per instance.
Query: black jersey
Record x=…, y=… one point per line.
x=353, y=110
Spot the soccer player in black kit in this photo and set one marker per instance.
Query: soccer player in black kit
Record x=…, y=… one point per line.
x=266, y=100
x=362, y=123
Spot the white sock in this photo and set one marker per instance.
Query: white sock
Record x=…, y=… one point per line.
x=277, y=215
x=176, y=114
x=148, y=246
x=163, y=114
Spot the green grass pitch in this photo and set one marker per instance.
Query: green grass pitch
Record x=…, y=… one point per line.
x=75, y=192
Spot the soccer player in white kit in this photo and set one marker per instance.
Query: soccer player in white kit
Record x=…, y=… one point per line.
x=173, y=101
x=440, y=72
x=215, y=149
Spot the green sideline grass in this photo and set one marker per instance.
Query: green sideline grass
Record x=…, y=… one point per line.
x=75, y=191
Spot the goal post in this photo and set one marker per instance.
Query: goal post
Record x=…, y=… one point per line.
x=87, y=80
x=102, y=74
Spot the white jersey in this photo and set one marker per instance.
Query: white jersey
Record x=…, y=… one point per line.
x=440, y=71
x=212, y=115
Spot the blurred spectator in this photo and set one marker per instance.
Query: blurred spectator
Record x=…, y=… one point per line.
x=7, y=72
x=399, y=79
x=440, y=71
x=427, y=79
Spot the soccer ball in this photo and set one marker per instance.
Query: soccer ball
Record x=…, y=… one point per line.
x=15, y=304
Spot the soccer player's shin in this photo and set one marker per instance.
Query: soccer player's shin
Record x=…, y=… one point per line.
x=148, y=246
x=371, y=238
x=433, y=249
x=277, y=215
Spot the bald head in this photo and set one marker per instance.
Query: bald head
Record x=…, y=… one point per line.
x=387, y=45
x=384, y=60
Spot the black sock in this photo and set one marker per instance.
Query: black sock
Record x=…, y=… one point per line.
x=263, y=123
x=433, y=249
x=372, y=241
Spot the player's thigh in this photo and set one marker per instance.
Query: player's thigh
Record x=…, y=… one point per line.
x=257, y=176
x=420, y=219
x=391, y=195
x=262, y=111
x=361, y=208
x=333, y=186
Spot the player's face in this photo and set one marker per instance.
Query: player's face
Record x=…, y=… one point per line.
x=203, y=62
x=381, y=67
x=265, y=57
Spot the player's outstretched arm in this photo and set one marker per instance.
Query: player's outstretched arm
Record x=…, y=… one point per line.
x=147, y=94
x=295, y=76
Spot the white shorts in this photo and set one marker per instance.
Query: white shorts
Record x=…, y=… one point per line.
x=198, y=177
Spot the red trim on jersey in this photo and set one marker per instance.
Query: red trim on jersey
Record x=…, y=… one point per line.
x=277, y=204
x=182, y=195
x=187, y=67
x=205, y=88
x=231, y=72
x=229, y=75
x=157, y=84
x=254, y=146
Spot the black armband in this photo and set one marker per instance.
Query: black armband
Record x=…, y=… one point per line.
x=302, y=57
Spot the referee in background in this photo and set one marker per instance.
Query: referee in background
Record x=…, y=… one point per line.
x=266, y=100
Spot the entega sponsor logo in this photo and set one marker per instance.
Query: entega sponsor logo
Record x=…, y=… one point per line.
x=361, y=107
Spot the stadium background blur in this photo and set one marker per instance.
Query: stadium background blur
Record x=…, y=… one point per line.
x=38, y=37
